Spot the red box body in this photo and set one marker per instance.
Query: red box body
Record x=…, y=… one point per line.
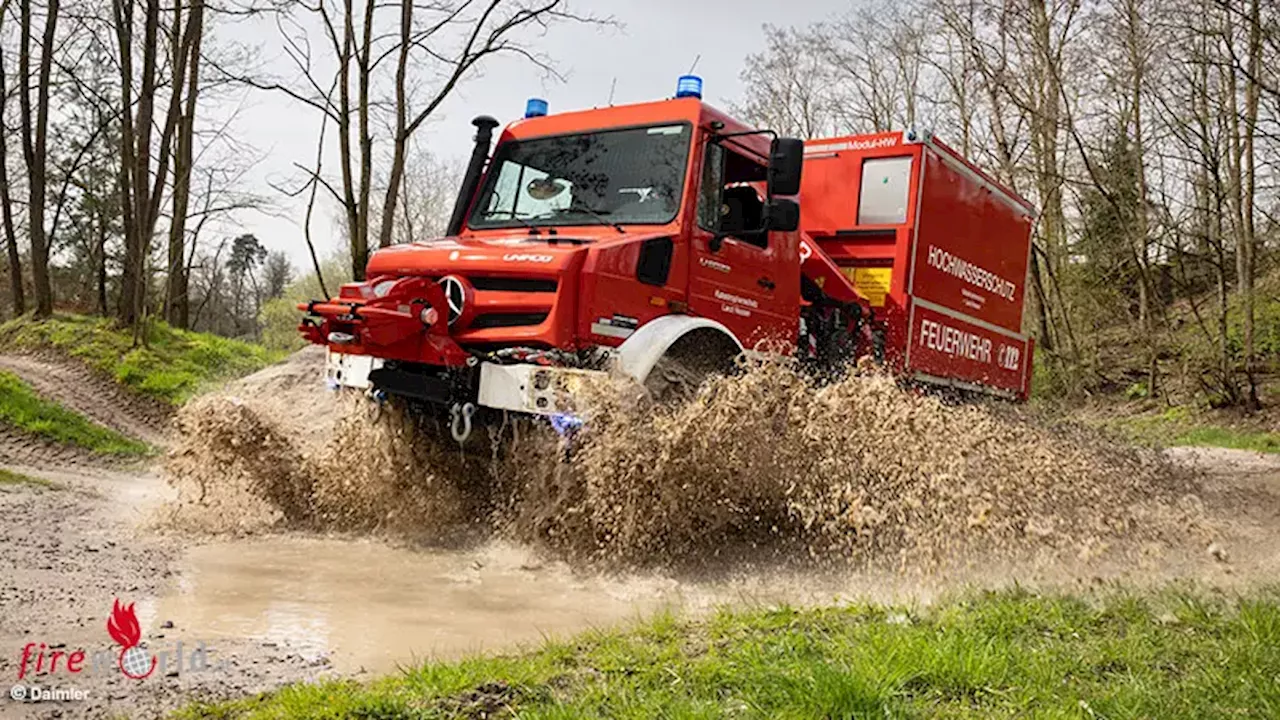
x=938, y=248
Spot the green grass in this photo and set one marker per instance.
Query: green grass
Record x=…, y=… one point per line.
x=9, y=478
x=1180, y=427
x=1012, y=654
x=172, y=365
x=1211, y=436
x=22, y=408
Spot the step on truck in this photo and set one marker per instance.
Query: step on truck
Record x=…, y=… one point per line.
x=665, y=239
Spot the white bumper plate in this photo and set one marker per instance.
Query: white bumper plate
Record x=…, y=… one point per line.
x=350, y=370
x=535, y=389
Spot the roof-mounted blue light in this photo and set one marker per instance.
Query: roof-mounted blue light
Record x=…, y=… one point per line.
x=536, y=107
x=689, y=86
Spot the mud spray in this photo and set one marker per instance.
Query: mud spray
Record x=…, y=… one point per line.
x=764, y=465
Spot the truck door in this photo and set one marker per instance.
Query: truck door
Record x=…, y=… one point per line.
x=751, y=283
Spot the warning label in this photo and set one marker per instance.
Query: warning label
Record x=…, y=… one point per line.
x=871, y=282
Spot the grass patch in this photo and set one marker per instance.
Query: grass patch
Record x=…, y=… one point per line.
x=1178, y=427
x=1211, y=436
x=9, y=478
x=22, y=408
x=1011, y=654
x=173, y=365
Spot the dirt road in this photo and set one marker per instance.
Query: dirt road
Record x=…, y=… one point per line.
x=70, y=548
x=252, y=614
x=76, y=387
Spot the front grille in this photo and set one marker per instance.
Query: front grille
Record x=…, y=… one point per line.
x=506, y=320
x=503, y=284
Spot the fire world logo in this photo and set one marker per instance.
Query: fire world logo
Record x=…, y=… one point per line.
x=123, y=627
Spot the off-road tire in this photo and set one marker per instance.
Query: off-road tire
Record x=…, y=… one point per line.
x=688, y=364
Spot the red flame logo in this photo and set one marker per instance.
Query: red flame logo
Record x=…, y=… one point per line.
x=123, y=625
x=124, y=629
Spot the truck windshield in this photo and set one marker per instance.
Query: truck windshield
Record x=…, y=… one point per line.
x=633, y=176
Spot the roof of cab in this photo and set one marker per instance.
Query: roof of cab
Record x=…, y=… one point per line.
x=677, y=110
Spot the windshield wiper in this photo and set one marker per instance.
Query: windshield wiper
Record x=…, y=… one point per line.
x=527, y=222
x=597, y=214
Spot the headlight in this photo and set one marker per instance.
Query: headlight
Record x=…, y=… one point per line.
x=382, y=288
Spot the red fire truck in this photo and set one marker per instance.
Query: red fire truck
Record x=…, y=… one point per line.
x=665, y=239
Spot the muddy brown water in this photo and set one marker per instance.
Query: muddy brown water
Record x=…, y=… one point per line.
x=366, y=606
x=369, y=606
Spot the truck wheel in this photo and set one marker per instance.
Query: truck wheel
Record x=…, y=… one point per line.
x=687, y=364
x=671, y=381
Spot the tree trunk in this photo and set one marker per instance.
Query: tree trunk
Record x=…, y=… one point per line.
x=363, y=65
x=135, y=142
x=35, y=147
x=1248, y=244
x=143, y=194
x=402, y=134
x=17, y=296
x=356, y=240
x=178, y=307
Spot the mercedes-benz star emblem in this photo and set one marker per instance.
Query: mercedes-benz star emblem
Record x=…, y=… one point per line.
x=455, y=294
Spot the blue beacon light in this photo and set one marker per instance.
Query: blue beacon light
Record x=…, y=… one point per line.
x=689, y=86
x=536, y=107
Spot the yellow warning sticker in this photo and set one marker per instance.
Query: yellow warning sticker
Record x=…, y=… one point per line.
x=872, y=282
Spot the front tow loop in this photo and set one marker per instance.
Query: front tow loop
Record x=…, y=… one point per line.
x=460, y=421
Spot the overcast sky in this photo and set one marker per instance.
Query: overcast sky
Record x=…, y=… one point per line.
x=656, y=42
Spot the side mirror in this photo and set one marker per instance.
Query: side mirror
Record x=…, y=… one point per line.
x=782, y=215
x=786, y=161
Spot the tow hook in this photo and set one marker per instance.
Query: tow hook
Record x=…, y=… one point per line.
x=379, y=398
x=460, y=421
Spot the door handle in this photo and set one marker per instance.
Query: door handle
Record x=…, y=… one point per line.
x=766, y=283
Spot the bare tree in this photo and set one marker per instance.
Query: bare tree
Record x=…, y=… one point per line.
x=143, y=180
x=442, y=42
x=35, y=136
x=177, y=305
x=6, y=194
x=787, y=86
x=428, y=188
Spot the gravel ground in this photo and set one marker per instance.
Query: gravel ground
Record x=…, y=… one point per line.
x=68, y=553
x=68, y=550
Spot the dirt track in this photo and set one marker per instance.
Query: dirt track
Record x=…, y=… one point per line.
x=75, y=386
x=280, y=609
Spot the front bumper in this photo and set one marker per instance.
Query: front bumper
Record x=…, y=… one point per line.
x=405, y=323
x=522, y=387
x=341, y=370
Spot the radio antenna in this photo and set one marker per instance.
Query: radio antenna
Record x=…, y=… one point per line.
x=695, y=63
x=612, y=89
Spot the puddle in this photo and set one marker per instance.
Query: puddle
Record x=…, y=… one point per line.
x=374, y=607
x=368, y=606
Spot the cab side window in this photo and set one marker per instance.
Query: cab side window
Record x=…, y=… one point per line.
x=728, y=199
